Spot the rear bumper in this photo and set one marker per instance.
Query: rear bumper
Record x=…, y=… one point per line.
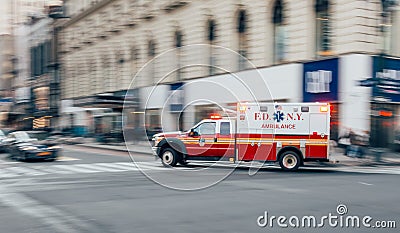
x=35, y=155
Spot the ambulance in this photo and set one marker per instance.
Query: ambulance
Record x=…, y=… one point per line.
x=286, y=133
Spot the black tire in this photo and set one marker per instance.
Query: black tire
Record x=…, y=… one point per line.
x=290, y=161
x=169, y=157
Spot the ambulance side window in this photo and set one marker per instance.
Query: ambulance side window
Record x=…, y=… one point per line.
x=207, y=128
x=225, y=128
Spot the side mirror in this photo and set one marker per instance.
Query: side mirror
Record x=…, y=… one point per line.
x=193, y=133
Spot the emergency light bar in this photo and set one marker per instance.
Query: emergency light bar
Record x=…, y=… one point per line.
x=324, y=108
x=242, y=108
x=215, y=116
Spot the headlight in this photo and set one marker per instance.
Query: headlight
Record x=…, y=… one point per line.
x=30, y=148
x=54, y=147
x=157, y=139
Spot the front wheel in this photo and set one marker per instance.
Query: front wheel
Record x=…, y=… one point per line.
x=169, y=157
x=289, y=161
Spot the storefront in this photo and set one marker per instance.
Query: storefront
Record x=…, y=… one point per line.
x=320, y=84
x=385, y=101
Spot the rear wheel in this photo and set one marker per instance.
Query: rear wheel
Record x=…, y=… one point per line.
x=289, y=161
x=169, y=157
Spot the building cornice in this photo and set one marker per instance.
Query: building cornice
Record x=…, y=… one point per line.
x=86, y=12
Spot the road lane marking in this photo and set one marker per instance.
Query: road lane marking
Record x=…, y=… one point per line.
x=368, y=184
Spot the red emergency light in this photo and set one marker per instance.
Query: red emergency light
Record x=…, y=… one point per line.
x=215, y=116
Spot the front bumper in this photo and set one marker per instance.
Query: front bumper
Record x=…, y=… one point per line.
x=155, y=150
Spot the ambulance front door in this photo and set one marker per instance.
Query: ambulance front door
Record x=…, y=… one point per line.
x=201, y=140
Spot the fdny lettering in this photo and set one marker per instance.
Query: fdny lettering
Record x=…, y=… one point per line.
x=261, y=116
x=278, y=126
x=264, y=116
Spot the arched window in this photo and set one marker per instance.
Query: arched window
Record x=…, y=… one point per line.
x=279, y=31
x=106, y=72
x=389, y=26
x=178, y=45
x=151, y=49
x=323, y=28
x=211, y=36
x=151, y=52
x=242, y=29
x=178, y=39
x=134, y=57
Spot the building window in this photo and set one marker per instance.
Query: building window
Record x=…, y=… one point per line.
x=323, y=28
x=134, y=59
x=242, y=28
x=389, y=21
x=151, y=47
x=211, y=36
x=279, y=31
x=178, y=44
x=107, y=73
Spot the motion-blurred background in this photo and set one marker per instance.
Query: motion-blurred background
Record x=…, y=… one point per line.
x=67, y=66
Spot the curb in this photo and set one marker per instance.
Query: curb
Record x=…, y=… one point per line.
x=112, y=149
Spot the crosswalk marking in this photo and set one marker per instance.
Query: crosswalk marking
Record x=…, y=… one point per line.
x=5, y=173
x=10, y=171
x=121, y=166
x=150, y=166
x=54, y=170
x=14, y=171
x=75, y=169
x=26, y=170
x=97, y=167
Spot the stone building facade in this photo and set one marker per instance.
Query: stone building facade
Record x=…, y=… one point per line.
x=107, y=44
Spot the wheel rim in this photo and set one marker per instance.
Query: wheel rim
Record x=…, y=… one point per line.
x=290, y=161
x=167, y=157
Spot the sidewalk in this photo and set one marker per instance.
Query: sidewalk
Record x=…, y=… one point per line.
x=337, y=157
x=142, y=147
x=388, y=158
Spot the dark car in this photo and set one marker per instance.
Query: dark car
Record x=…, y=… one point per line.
x=22, y=147
x=2, y=144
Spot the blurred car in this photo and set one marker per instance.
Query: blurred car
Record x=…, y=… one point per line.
x=22, y=147
x=2, y=137
x=151, y=132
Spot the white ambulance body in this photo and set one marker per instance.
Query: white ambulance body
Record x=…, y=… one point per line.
x=288, y=133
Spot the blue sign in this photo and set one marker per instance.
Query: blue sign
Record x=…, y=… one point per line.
x=320, y=80
x=176, y=97
x=386, y=72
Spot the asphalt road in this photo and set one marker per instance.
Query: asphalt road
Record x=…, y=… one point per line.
x=90, y=190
